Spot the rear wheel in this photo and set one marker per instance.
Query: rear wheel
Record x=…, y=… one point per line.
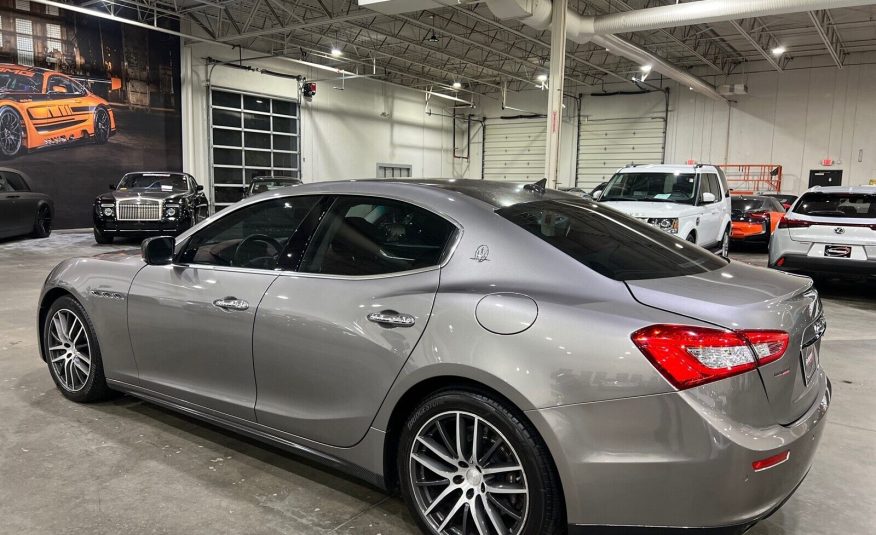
x=43, y=225
x=72, y=352
x=11, y=133
x=469, y=465
x=102, y=237
x=101, y=126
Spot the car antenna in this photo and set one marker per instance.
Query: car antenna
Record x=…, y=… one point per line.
x=538, y=187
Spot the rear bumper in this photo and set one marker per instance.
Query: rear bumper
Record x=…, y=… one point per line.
x=743, y=231
x=815, y=264
x=678, y=461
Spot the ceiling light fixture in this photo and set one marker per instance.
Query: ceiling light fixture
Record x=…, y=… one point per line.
x=779, y=50
x=645, y=68
x=457, y=85
x=336, y=52
x=542, y=78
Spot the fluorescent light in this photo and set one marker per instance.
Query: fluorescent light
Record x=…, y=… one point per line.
x=779, y=50
x=542, y=78
x=336, y=52
x=448, y=97
x=457, y=85
x=645, y=68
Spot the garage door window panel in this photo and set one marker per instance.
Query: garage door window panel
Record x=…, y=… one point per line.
x=368, y=236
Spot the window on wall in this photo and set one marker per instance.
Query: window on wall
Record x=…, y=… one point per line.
x=391, y=170
x=251, y=135
x=22, y=5
x=53, y=40
x=24, y=41
x=52, y=10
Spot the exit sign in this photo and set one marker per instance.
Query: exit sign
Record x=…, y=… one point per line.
x=827, y=162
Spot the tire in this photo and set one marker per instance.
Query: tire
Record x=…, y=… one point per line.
x=73, y=353
x=11, y=133
x=101, y=125
x=692, y=238
x=42, y=227
x=724, y=251
x=506, y=440
x=102, y=238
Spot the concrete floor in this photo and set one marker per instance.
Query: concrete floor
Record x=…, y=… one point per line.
x=129, y=467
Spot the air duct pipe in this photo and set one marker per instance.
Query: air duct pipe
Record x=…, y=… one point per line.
x=705, y=11
x=537, y=14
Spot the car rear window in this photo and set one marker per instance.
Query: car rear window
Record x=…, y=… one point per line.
x=861, y=205
x=608, y=242
x=747, y=204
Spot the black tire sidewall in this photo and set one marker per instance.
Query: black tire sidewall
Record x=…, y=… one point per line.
x=38, y=231
x=545, y=498
x=97, y=138
x=95, y=388
x=6, y=110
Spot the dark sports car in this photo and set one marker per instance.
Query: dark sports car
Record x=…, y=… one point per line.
x=261, y=184
x=149, y=204
x=786, y=200
x=23, y=211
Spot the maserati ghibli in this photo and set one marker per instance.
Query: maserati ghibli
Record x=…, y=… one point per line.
x=511, y=359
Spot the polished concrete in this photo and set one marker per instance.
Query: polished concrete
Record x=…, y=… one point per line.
x=130, y=467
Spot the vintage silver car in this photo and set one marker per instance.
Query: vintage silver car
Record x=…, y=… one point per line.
x=515, y=360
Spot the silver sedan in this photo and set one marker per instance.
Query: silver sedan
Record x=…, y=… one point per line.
x=515, y=360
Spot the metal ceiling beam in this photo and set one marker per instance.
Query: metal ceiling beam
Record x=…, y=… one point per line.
x=280, y=30
x=762, y=40
x=824, y=26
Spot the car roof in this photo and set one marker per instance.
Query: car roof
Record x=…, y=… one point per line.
x=274, y=177
x=870, y=190
x=666, y=168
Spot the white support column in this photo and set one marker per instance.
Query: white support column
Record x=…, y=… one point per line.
x=555, y=92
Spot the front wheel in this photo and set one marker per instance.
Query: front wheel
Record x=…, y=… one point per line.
x=724, y=252
x=101, y=126
x=102, y=237
x=72, y=352
x=469, y=465
x=42, y=227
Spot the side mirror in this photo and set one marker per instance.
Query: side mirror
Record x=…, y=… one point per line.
x=597, y=195
x=158, y=251
x=708, y=197
x=200, y=188
x=112, y=187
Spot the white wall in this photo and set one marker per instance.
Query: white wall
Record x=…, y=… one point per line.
x=344, y=134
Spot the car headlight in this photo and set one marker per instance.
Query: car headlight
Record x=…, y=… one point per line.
x=170, y=211
x=668, y=224
x=109, y=211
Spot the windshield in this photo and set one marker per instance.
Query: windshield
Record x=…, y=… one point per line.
x=154, y=182
x=860, y=205
x=659, y=187
x=608, y=242
x=19, y=83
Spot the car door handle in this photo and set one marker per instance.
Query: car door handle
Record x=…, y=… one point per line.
x=13, y=196
x=231, y=303
x=391, y=318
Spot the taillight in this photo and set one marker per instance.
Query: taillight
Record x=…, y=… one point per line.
x=689, y=356
x=787, y=222
x=758, y=216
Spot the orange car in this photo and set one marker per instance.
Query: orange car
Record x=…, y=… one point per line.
x=755, y=217
x=40, y=108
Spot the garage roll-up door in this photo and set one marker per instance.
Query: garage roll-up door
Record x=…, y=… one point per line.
x=612, y=137
x=514, y=149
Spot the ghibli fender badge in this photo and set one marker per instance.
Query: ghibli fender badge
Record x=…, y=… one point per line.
x=482, y=254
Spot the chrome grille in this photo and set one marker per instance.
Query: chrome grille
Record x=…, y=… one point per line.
x=138, y=210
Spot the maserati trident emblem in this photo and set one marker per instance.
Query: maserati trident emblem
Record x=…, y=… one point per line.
x=481, y=254
x=839, y=230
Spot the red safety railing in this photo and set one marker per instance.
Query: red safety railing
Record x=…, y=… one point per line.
x=749, y=178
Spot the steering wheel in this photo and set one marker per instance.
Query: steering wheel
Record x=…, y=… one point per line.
x=240, y=260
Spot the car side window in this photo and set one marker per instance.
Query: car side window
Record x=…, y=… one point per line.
x=10, y=181
x=64, y=86
x=709, y=184
x=373, y=236
x=252, y=237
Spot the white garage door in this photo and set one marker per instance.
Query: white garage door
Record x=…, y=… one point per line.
x=610, y=139
x=514, y=149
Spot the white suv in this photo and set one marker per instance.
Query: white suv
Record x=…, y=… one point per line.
x=828, y=230
x=691, y=201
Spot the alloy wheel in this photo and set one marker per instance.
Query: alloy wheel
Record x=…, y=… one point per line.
x=466, y=477
x=69, y=350
x=10, y=132
x=725, y=245
x=44, y=221
x=101, y=125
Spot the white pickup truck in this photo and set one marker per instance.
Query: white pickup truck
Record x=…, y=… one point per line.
x=690, y=201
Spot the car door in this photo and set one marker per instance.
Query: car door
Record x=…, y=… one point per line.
x=16, y=217
x=191, y=322
x=712, y=212
x=330, y=339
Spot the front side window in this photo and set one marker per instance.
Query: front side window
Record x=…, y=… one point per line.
x=611, y=244
x=10, y=181
x=252, y=237
x=658, y=187
x=861, y=205
x=372, y=236
x=63, y=86
x=709, y=184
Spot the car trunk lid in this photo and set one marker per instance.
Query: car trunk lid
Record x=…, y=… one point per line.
x=739, y=297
